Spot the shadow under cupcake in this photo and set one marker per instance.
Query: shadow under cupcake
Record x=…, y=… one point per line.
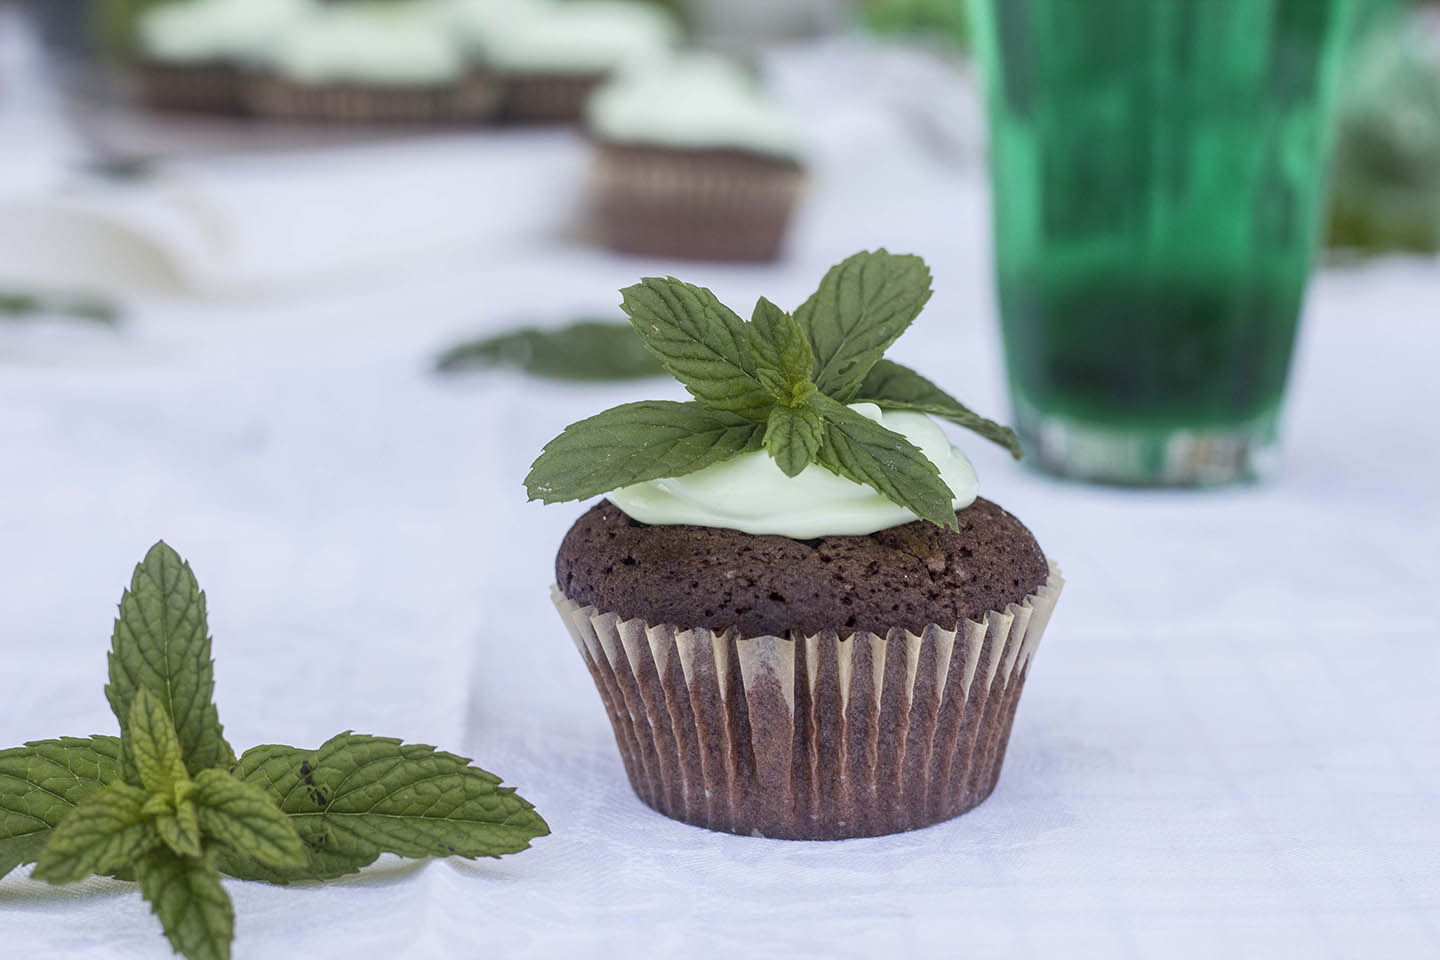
x=801, y=619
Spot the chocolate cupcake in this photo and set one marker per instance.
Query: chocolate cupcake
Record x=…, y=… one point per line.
x=193, y=53
x=802, y=620
x=551, y=56
x=368, y=61
x=692, y=160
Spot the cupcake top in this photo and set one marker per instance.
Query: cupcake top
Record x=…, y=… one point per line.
x=200, y=31
x=579, y=36
x=799, y=428
x=692, y=101
x=749, y=492
x=481, y=25
x=399, y=42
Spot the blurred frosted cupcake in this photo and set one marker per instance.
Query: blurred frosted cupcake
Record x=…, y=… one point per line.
x=692, y=160
x=372, y=61
x=192, y=53
x=553, y=55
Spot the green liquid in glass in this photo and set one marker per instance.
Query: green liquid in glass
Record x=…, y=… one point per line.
x=1158, y=169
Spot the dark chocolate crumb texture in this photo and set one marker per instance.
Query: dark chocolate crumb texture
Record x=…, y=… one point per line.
x=907, y=576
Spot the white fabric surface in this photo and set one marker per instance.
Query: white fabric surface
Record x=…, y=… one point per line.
x=235, y=226
x=1228, y=744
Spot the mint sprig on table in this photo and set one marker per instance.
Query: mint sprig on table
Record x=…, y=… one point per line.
x=779, y=382
x=586, y=350
x=28, y=305
x=167, y=802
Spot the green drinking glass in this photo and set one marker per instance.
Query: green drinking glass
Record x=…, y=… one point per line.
x=1158, y=170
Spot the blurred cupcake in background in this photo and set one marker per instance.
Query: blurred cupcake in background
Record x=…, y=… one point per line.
x=552, y=55
x=192, y=53
x=481, y=26
x=692, y=159
x=371, y=61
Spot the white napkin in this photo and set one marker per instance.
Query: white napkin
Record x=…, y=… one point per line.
x=235, y=225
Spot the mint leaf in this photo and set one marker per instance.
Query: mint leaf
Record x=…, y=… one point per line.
x=864, y=303
x=322, y=860
x=365, y=795
x=185, y=893
x=892, y=386
x=105, y=832
x=859, y=449
x=793, y=436
x=180, y=829
x=72, y=805
x=161, y=643
x=41, y=782
x=319, y=863
x=636, y=442
x=246, y=819
x=26, y=305
x=701, y=342
x=584, y=350
x=783, y=357
x=152, y=744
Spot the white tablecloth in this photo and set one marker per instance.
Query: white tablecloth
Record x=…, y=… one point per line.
x=1228, y=744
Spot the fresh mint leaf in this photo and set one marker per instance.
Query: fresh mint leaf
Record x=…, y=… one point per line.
x=584, y=350
x=859, y=449
x=320, y=863
x=161, y=643
x=194, y=910
x=77, y=806
x=637, y=442
x=783, y=357
x=864, y=303
x=366, y=795
x=180, y=829
x=322, y=860
x=793, y=436
x=247, y=819
x=701, y=342
x=41, y=782
x=27, y=305
x=107, y=831
x=891, y=386
x=152, y=745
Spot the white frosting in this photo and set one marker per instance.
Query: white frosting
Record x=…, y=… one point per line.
x=693, y=100
x=198, y=31
x=482, y=25
x=749, y=492
x=402, y=43
x=580, y=36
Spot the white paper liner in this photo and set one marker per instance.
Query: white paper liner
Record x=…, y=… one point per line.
x=546, y=98
x=695, y=203
x=475, y=96
x=812, y=737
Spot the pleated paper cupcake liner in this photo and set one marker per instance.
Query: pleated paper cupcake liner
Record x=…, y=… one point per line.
x=211, y=88
x=548, y=97
x=817, y=737
x=694, y=203
x=473, y=98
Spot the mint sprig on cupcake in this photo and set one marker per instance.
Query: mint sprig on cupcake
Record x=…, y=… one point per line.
x=782, y=382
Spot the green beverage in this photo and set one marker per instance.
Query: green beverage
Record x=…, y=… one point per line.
x=1158, y=168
